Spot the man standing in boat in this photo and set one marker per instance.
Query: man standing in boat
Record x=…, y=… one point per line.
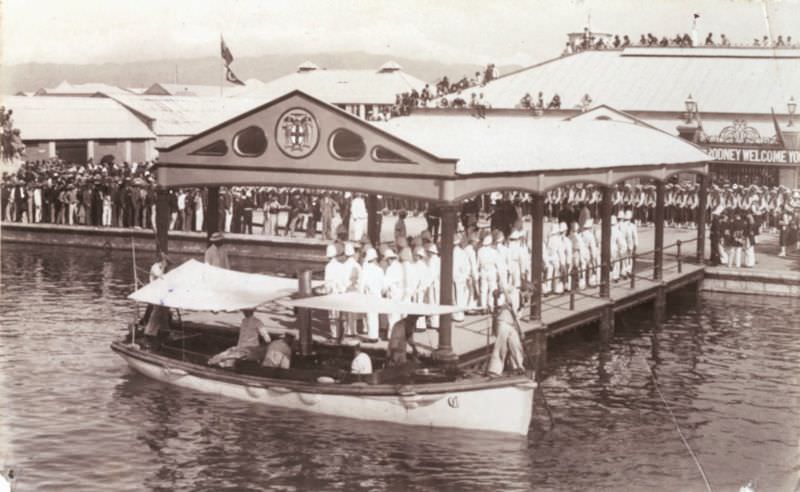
x=507, y=345
x=217, y=254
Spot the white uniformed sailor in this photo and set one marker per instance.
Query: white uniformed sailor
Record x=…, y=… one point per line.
x=487, y=272
x=461, y=276
x=371, y=284
x=394, y=280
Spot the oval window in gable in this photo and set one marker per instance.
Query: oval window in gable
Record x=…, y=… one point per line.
x=346, y=145
x=250, y=142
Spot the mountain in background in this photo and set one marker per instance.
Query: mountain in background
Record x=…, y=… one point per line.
x=206, y=71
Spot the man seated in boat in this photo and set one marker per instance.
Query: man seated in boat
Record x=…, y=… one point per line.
x=507, y=345
x=402, y=336
x=248, y=347
x=279, y=352
x=361, y=364
x=217, y=254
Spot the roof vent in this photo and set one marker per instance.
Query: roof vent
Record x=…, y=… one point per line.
x=307, y=66
x=390, y=66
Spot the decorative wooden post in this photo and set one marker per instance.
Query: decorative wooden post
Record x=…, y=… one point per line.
x=162, y=219
x=212, y=214
x=605, y=243
x=701, y=217
x=445, y=352
x=537, y=238
x=373, y=224
x=658, y=253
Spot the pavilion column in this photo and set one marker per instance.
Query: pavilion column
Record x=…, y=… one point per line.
x=373, y=224
x=701, y=217
x=162, y=219
x=449, y=223
x=605, y=243
x=537, y=239
x=212, y=214
x=658, y=253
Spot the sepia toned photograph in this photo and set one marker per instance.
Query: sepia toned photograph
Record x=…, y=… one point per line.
x=420, y=245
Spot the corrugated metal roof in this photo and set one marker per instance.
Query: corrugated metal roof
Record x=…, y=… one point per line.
x=77, y=89
x=74, y=117
x=185, y=116
x=499, y=144
x=342, y=86
x=162, y=89
x=729, y=80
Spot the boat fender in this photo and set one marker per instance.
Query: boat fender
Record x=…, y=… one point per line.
x=173, y=372
x=453, y=401
x=255, y=390
x=326, y=380
x=308, y=398
x=408, y=397
x=279, y=389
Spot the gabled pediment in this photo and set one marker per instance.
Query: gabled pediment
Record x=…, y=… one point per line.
x=292, y=135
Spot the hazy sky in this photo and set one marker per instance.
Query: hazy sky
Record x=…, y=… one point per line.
x=502, y=31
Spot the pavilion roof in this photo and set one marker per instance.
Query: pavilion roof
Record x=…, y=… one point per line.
x=524, y=144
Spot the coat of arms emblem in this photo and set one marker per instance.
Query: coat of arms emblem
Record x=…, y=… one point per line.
x=297, y=133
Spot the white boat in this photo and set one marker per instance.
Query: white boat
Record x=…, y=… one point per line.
x=424, y=394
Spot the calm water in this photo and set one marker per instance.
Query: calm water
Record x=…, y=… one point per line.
x=75, y=418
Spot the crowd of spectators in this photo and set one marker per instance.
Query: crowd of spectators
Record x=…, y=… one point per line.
x=594, y=41
x=11, y=145
x=435, y=96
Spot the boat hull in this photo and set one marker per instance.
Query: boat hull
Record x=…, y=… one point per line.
x=500, y=405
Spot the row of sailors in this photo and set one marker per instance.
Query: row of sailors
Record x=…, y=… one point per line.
x=482, y=263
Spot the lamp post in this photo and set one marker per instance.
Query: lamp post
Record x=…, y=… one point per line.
x=792, y=107
x=691, y=109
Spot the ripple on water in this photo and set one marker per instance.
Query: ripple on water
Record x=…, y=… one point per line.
x=78, y=418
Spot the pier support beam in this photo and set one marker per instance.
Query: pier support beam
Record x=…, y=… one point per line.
x=538, y=349
x=537, y=239
x=660, y=305
x=658, y=247
x=304, y=315
x=702, y=200
x=444, y=352
x=607, y=325
x=212, y=212
x=605, y=244
x=162, y=219
x=373, y=220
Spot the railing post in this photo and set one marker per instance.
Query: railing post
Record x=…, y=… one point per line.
x=575, y=283
x=633, y=268
x=680, y=267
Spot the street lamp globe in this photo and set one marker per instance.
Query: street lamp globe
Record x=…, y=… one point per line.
x=691, y=108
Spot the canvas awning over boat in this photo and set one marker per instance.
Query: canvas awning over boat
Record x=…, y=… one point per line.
x=353, y=302
x=199, y=287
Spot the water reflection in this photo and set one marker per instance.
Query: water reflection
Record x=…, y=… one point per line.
x=76, y=416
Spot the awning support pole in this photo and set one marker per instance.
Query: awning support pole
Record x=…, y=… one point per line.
x=373, y=220
x=444, y=352
x=702, y=196
x=537, y=240
x=162, y=219
x=212, y=212
x=605, y=243
x=658, y=249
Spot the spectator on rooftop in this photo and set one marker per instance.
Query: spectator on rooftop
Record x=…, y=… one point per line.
x=664, y=42
x=642, y=40
x=765, y=42
x=526, y=102
x=555, y=103
x=626, y=41
x=756, y=42
x=710, y=39
x=779, y=42
x=724, y=40
x=617, y=41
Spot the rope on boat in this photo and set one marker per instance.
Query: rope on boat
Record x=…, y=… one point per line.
x=677, y=426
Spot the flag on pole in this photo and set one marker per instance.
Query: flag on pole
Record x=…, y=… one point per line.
x=227, y=58
x=226, y=52
x=778, y=132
